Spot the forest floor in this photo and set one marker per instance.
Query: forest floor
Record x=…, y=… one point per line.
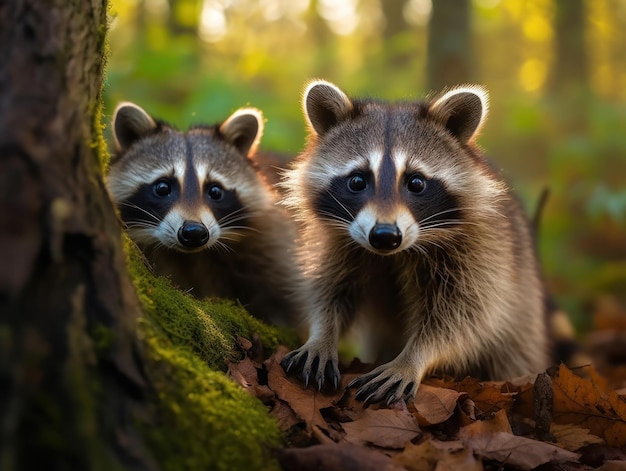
x=559, y=420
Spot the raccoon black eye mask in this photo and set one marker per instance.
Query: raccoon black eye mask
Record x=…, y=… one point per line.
x=408, y=229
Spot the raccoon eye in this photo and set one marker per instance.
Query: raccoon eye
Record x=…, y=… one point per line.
x=215, y=192
x=416, y=184
x=162, y=188
x=357, y=182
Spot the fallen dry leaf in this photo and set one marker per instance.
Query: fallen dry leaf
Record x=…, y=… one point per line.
x=305, y=402
x=612, y=466
x=517, y=451
x=477, y=416
x=284, y=415
x=440, y=456
x=336, y=457
x=498, y=423
x=578, y=401
x=386, y=428
x=435, y=405
x=595, y=455
x=572, y=437
x=487, y=396
x=245, y=374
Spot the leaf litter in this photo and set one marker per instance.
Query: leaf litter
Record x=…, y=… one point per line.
x=467, y=424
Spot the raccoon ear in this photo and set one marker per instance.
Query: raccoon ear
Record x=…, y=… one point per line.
x=244, y=129
x=130, y=123
x=324, y=105
x=462, y=111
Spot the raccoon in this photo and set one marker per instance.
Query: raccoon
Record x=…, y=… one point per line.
x=201, y=212
x=409, y=228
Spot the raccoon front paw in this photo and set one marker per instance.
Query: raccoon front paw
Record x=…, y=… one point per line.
x=387, y=383
x=313, y=360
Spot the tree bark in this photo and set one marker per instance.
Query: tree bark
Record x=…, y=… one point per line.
x=568, y=77
x=450, y=60
x=395, y=24
x=395, y=34
x=70, y=384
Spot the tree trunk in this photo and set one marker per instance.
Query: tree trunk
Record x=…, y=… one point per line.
x=395, y=24
x=395, y=34
x=568, y=78
x=70, y=386
x=450, y=60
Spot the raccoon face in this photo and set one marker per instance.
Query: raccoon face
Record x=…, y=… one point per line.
x=185, y=191
x=394, y=177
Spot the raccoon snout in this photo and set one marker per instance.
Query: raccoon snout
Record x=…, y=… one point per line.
x=385, y=237
x=193, y=234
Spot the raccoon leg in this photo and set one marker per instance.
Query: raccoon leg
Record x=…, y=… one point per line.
x=317, y=358
x=395, y=380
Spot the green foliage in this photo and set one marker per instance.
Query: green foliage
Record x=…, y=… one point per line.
x=204, y=420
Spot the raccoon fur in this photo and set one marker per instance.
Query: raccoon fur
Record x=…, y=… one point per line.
x=197, y=206
x=408, y=228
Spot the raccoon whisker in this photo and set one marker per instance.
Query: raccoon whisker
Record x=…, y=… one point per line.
x=236, y=225
x=422, y=251
x=140, y=225
x=145, y=211
x=237, y=215
x=340, y=204
x=239, y=228
x=446, y=211
x=221, y=246
x=445, y=223
x=339, y=222
x=229, y=219
x=157, y=219
x=333, y=218
x=335, y=222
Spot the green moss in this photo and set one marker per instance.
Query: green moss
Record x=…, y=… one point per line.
x=103, y=339
x=209, y=327
x=98, y=143
x=205, y=421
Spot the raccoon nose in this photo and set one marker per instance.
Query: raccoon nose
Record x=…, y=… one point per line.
x=193, y=234
x=385, y=237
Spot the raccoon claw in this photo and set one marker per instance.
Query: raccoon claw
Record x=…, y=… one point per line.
x=293, y=359
x=383, y=385
x=308, y=364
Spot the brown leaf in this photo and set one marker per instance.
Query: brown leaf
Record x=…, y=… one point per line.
x=305, y=402
x=284, y=415
x=440, y=456
x=468, y=412
x=573, y=437
x=435, y=405
x=578, y=401
x=245, y=374
x=336, y=457
x=595, y=455
x=498, y=423
x=386, y=428
x=517, y=451
x=612, y=466
x=487, y=396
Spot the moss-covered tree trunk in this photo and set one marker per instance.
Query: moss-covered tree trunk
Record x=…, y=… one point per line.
x=70, y=386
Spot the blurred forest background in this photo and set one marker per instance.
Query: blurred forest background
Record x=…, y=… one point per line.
x=555, y=70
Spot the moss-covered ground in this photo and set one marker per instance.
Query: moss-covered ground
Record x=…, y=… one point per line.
x=204, y=420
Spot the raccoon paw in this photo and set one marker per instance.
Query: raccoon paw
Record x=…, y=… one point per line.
x=315, y=361
x=386, y=383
